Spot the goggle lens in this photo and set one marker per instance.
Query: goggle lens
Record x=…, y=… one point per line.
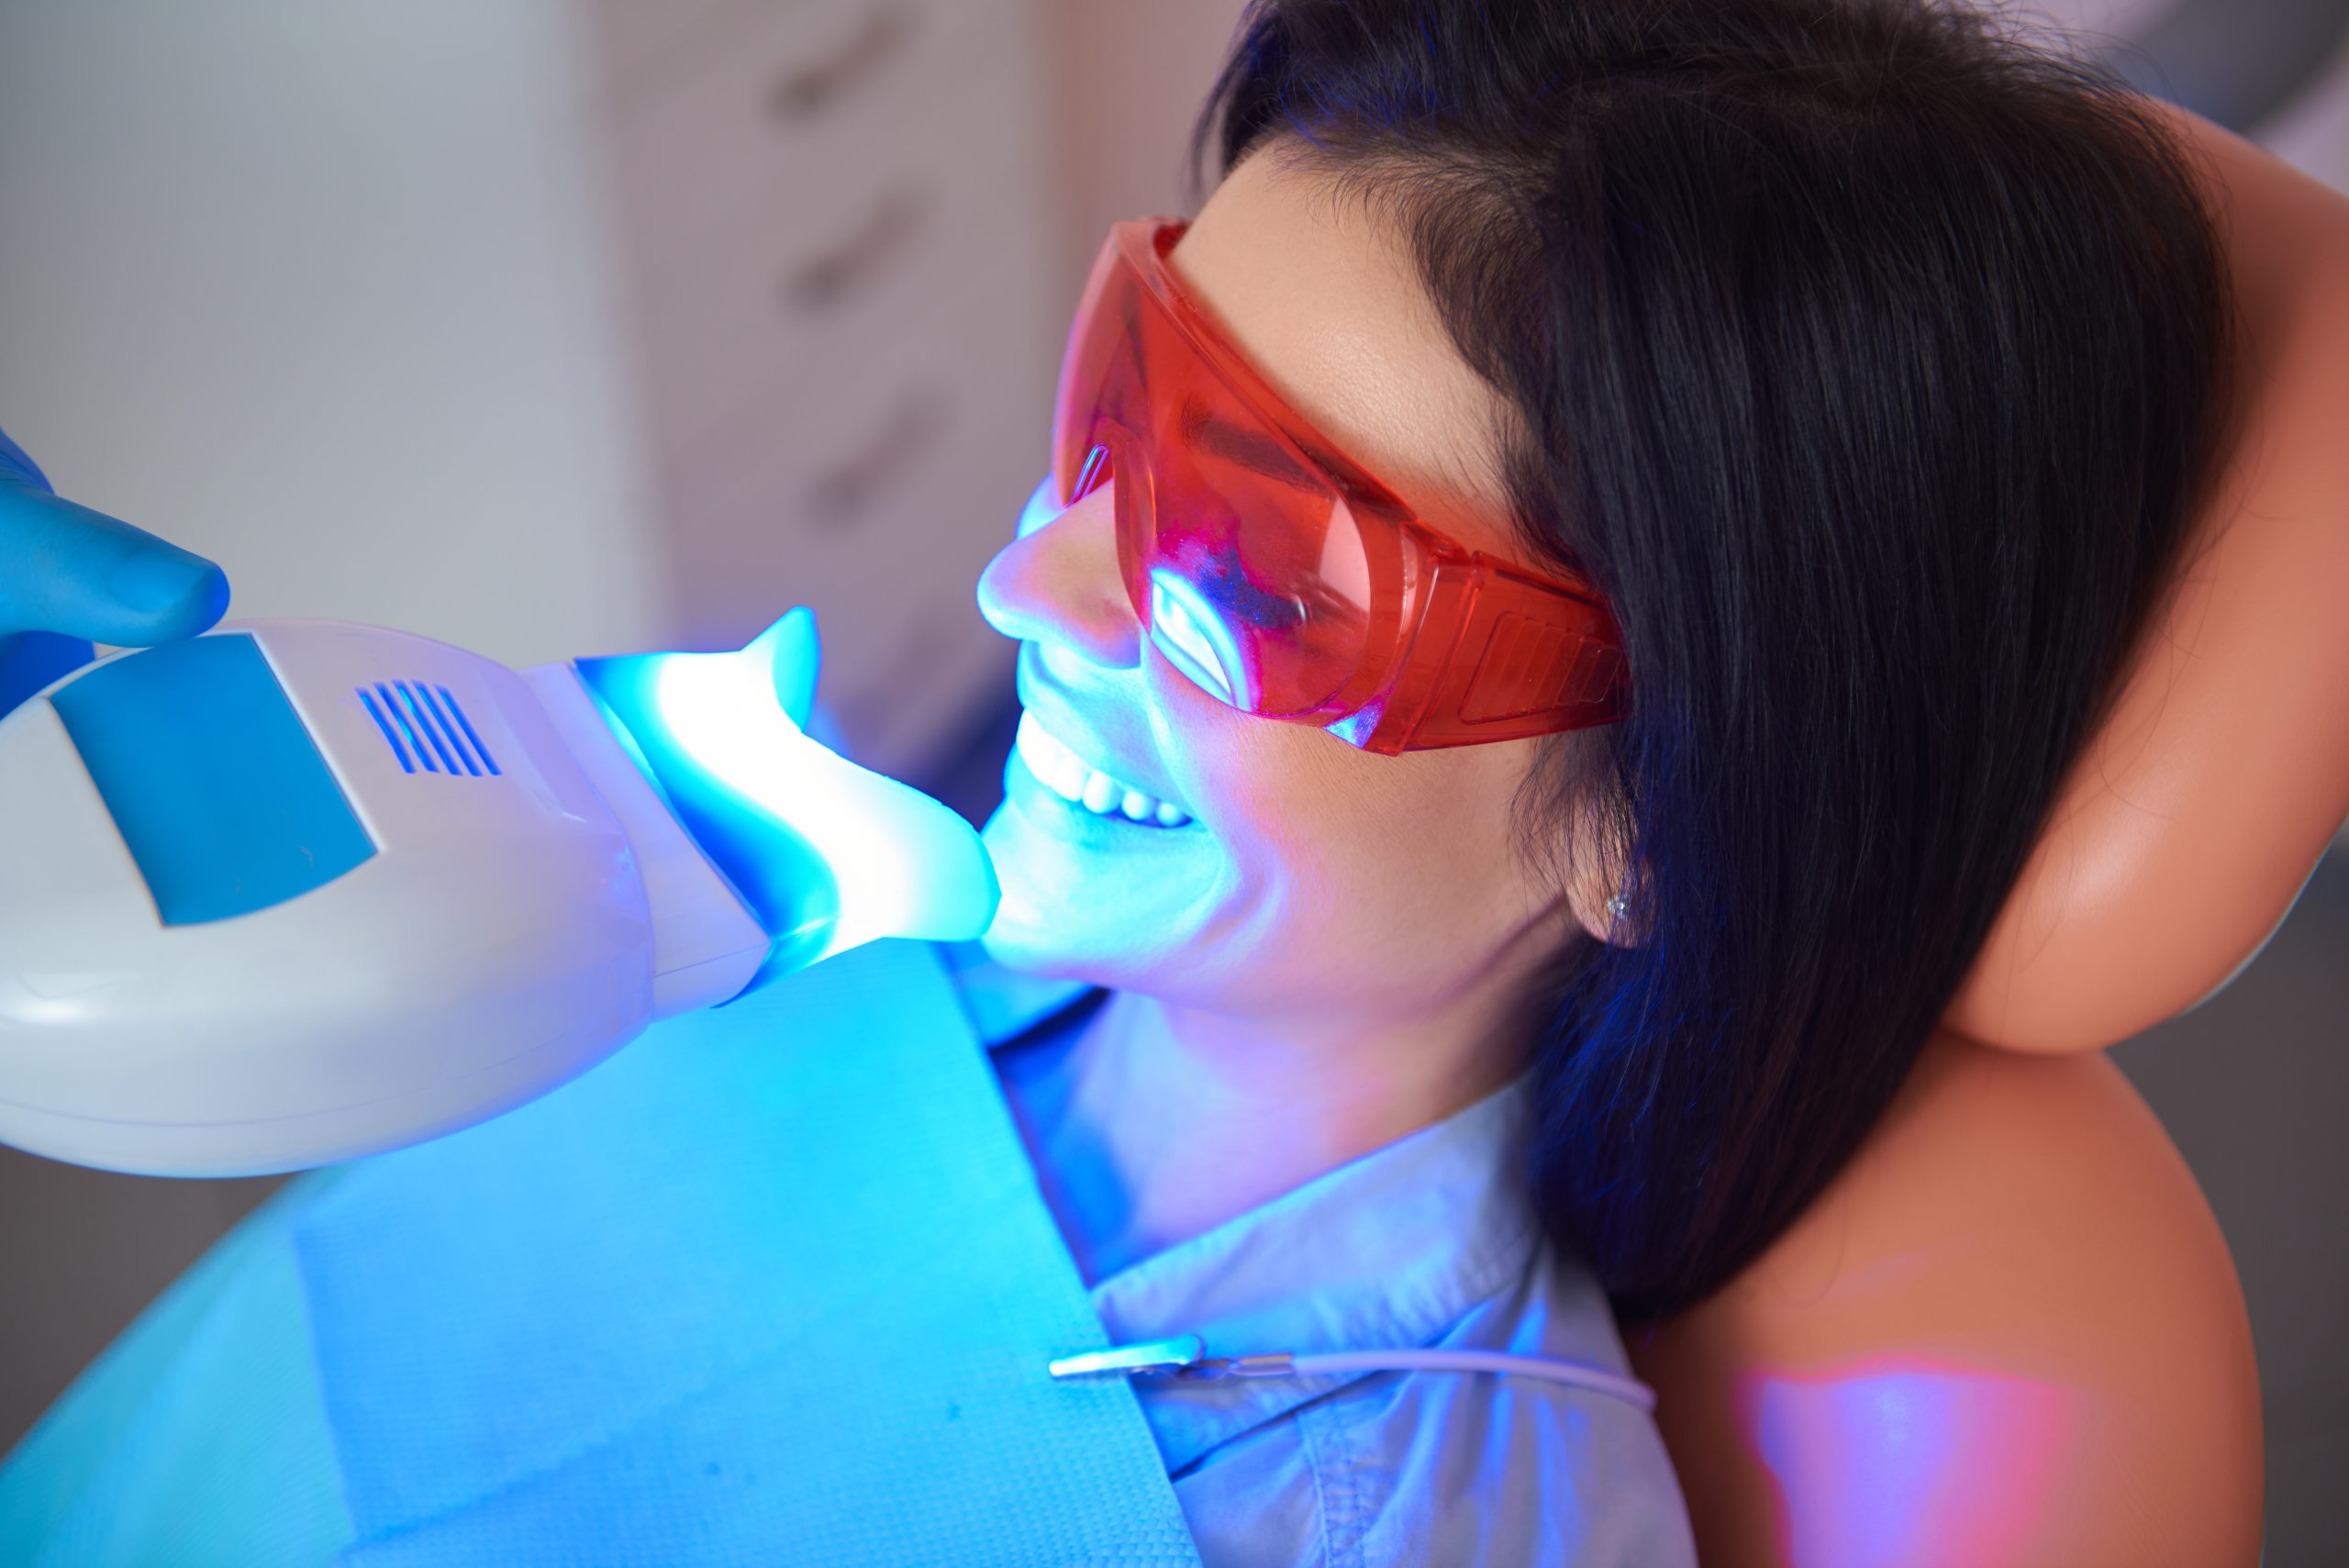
x=1278, y=576
x=1249, y=571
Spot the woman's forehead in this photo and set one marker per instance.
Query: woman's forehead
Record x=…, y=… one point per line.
x=1324, y=297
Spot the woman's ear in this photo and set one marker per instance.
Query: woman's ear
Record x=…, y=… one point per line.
x=1603, y=899
x=1602, y=886
x=1587, y=836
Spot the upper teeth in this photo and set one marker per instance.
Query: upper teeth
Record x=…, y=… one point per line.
x=1061, y=771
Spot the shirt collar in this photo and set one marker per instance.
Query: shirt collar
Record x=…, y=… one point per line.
x=1384, y=1252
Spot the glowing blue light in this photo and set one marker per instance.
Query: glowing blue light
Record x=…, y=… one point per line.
x=828, y=854
x=1194, y=638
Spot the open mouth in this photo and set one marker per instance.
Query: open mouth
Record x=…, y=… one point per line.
x=1066, y=774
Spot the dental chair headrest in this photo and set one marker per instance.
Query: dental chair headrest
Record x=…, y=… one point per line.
x=2197, y=813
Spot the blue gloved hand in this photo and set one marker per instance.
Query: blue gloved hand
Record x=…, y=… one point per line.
x=70, y=576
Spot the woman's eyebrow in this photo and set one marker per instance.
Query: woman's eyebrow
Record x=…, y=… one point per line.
x=1250, y=448
x=1211, y=435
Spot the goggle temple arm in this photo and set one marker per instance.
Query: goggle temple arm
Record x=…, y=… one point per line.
x=1525, y=657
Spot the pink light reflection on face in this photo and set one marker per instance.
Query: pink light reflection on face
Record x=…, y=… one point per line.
x=1918, y=1463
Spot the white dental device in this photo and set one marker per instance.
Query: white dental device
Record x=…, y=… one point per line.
x=298, y=891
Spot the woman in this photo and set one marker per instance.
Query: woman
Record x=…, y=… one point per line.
x=1868, y=363
x=1833, y=384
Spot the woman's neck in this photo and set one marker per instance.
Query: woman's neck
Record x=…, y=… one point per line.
x=1150, y=1124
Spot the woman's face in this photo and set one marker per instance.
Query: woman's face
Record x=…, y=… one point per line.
x=1310, y=877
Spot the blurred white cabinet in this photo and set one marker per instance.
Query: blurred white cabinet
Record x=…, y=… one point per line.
x=833, y=216
x=550, y=326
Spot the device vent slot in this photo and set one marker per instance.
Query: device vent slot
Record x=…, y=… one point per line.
x=406, y=719
x=384, y=722
x=420, y=718
x=428, y=729
x=445, y=704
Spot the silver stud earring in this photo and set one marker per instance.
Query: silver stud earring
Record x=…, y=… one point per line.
x=1618, y=907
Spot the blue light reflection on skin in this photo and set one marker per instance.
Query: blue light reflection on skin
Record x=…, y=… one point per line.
x=829, y=855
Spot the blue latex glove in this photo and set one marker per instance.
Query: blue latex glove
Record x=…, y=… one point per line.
x=70, y=576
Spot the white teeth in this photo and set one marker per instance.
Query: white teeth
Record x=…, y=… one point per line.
x=1063, y=772
x=1068, y=776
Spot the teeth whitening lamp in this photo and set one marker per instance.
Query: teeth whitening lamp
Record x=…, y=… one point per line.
x=298, y=891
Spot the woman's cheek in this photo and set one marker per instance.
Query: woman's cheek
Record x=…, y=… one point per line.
x=1373, y=866
x=1231, y=767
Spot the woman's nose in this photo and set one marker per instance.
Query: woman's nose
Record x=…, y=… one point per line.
x=1060, y=585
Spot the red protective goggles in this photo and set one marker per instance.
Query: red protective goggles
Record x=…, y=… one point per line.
x=1278, y=574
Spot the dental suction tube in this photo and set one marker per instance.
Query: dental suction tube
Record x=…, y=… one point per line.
x=295, y=892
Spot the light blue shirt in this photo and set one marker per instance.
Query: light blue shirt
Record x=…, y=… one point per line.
x=1425, y=1243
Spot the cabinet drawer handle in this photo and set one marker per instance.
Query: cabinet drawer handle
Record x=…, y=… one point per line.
x=823, y=280
x=806, y=90
x=847, y=495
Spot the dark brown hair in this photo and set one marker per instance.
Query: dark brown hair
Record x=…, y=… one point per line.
x=1872, y=362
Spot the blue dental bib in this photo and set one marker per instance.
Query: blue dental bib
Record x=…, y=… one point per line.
x=773, y=1285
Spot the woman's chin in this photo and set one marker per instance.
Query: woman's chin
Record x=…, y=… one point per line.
x=1091, y=899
